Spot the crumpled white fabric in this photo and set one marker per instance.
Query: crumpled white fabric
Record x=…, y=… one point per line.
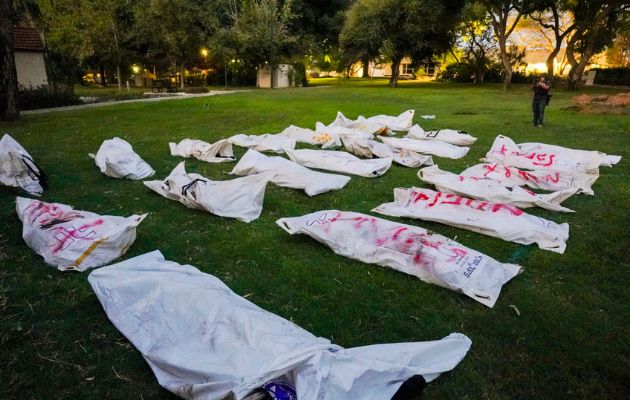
x=116, y=158
x=410, y=249
x=205, y=342
x=543, y=179
x=240, y=198
x=218, y=152
x=452, y=136
x=371, y=148
x=72, y=239
x=287, y=173
x=375, y=124
x=340, y=161
x=361, y=124
x=436, y=148
x=491, y=190
x=338, y=132
x=493, y=219
x=17, y=168
x=544, y=156
x=305, y=135
x=267, y=142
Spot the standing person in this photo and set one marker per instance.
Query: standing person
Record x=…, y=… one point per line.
x=541, y=95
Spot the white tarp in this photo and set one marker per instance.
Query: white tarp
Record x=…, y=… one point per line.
x=361, y=124
x=491, y=190
x=286, y=173
x=309, y=136
x=371, y=148
x=493, y=219
x=116, y=158
x=340, y=161
x=240, y=198
x=436, y=148
x=205, y=342
x=378, y=124
x=72, y=239
x=337, y=132
x=452, y=136
x=17, y=168
x=266, y=142
x=218, y=152
x=544, y=156
x=543, y=179
x=410, y=249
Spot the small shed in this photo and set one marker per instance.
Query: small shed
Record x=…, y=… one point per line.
x=28, y=50
x=281, y=76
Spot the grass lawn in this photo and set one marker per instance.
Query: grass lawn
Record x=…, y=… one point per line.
x=571, y=339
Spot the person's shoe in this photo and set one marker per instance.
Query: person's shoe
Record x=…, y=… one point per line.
x=539, y=126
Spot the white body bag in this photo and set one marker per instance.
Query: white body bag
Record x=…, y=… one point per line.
x=491, y=190
x=204, y=342
x=116, y=158
x=451, y=136
x=74, y=240
x=340, y=161
x=372, y=149
x=240, y=198
x=266, y=142
x=361, y=124
x=410, y=249
x=286, y=173
x=17, y=168
x=309, y=136
x=218, y=152
x=433, y=147
x=493, y=219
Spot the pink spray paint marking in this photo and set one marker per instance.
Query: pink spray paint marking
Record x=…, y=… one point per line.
x=66, y=236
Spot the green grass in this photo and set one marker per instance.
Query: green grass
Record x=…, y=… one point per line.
x=571, y=339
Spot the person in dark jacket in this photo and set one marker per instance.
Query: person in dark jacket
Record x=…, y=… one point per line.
x=541, y=93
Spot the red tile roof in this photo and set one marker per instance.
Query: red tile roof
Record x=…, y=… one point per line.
x=27, y=39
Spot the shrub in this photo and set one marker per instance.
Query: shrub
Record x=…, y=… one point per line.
x=31, y=98
x=457, y=72
x=612, y=76
x=298, y=75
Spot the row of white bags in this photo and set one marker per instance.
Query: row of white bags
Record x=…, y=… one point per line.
x=205, y=342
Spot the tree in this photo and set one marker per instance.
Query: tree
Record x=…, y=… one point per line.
x=8, y=75
x=596, y=23
x=418, y=29
x=476, y=40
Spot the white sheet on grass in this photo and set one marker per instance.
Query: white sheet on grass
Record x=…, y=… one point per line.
x=435, y=148
x=410, y=249
x=240, y=198
x=17, y=168
x=72, y=239
x=493, y=219
x=361, y=124
x=401, y=122
x=304, y=135
x=338, y=132
x=340, y=161
x=218, y=152
x=289, y=174
x=205, y=342
x=371, y=148
x=452, y=136
x=266, y=142
x=116, y=158
x=491, y=190
x=543, y=179
x=544, y=156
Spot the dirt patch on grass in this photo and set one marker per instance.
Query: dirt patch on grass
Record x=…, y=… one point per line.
x=602, y=104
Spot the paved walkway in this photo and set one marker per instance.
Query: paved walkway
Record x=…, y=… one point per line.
x=112, y=103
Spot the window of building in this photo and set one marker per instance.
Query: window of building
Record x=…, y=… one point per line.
x=407, y=69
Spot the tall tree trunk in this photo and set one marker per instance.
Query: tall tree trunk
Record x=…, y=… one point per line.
x=181, y=76
x=101, y=70
x=9, y=109
x=119, y=74
x=366, y=67
x=393, y=80
x=505, y=61
x=550, y=62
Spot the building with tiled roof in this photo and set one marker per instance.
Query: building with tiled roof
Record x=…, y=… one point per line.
x=28, y=50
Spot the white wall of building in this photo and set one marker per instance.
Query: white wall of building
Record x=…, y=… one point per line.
x=30, y=67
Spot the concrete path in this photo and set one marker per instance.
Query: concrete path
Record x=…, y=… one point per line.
x=113, y=103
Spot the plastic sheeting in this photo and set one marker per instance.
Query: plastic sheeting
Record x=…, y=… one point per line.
x=17, y=168
x=338, y=132
x=458, y=138
x=544, y=156
x=286, y=173
x=72, y=239
x=491, y=190
x=340, y=161
x=493, y=219
x=361, y=124
x=378, y=124
x=240, y=198
x=410, y=249
x=218, y=152
x=205, y=342
x=304, y=135
x=116, y=158
x=371, y=148
x=535, y=179
x=436, y=148
x=266, y=142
